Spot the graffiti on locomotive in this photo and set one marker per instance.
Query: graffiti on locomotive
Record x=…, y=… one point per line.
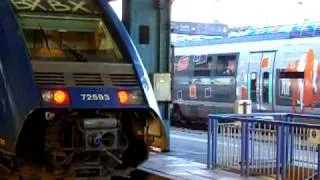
x=57, y=6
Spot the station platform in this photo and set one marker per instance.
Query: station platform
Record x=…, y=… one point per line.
x=172, y=167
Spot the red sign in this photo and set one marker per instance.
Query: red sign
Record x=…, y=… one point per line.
x=193, y=91
x=265, y=63
x=183, y=63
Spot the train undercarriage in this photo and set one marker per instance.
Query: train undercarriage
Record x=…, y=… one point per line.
x=62, y=143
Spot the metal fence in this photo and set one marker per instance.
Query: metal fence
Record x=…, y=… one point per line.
x=268, y=144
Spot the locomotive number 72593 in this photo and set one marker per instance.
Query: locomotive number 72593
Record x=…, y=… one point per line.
x=95, y=97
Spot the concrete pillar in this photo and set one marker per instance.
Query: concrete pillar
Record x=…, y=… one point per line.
x=152, y=15
x=148, y=23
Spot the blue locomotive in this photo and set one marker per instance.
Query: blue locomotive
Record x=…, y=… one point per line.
x=75, y=96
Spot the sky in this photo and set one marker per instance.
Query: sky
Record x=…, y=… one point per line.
x=242, y=12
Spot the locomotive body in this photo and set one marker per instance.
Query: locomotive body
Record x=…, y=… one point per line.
x=76, y=98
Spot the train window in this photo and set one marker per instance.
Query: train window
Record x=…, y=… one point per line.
x=202, y=73
x=207, y=92
x=201, y=77
x=287, y=86
x=223, y=77
x=179, y=94
x=63, y=39
x=265, y=88
x=291, y=75
x=200, y=60
x=180, y=79
x=201, y=80
x=225, y=66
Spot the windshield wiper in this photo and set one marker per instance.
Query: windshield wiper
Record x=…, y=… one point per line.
x=80, y=57
x=45, y=38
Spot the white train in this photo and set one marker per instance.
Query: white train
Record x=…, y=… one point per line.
x=277, y=70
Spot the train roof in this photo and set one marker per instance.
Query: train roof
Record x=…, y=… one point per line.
x=306, y=30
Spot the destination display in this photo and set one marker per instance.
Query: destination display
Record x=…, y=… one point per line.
x=56, y=6
x=216, y=29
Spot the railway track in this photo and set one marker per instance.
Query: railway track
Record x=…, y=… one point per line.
x=144, y=175
x=191, y=126
x=135, y=175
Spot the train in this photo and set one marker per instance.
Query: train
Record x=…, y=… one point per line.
x=76, y=99
x=277, y=68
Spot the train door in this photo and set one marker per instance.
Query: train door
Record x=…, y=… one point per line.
x=260, y=80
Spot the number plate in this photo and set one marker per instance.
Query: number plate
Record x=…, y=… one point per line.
x=95, y=97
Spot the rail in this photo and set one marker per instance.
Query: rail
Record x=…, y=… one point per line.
x=278, y=145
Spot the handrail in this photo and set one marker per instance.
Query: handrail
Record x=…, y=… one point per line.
x=283, y=133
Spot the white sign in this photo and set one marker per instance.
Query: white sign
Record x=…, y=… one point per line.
x=241, y=105
x=95, y=97
x=314, y=136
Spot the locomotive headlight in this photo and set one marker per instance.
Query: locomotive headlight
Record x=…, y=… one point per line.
x=57, y=97
x=47, y=96
x=135, y=97
x=130, y=97
x=123, y=97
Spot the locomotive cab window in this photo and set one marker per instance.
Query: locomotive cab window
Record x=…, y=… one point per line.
x=69, y=39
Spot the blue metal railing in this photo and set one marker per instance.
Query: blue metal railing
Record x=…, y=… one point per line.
x=270, y=144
